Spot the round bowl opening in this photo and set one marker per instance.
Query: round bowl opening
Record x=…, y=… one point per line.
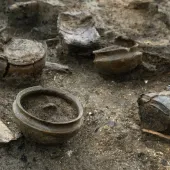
x=49, y=106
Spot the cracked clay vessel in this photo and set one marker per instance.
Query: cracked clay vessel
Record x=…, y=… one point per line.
x=23, y=57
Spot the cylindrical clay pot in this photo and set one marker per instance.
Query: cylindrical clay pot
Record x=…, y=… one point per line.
x=46, y=132
x=25, y=57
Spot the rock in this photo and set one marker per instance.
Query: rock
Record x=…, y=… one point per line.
x=5, y=36
x=24, y=158
x=45, y=31
x=90, y=113
x=69, y=153
x=163, y=12
x=95, y=9
x=99, y=23
x=154, y=111
x=156, y=54
x=49, y=10
x=78, y=33
x=21, y=13
x=5, y=134
x=155, y=46
x=2, y=6
x=149, y=67
x=111, y=123
x=3, y=65
x=167, y=88
x=140, y=4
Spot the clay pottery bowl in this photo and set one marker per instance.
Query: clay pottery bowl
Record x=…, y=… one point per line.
x=24, y=57
x=119, y=58
x=40, y=129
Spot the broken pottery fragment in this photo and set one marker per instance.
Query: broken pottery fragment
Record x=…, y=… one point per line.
x=24, y=57
x=5, y=134
x=78, y=32
x=154, y=111
x=119, y=58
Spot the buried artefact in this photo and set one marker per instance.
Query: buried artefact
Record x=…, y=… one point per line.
x=25, y=58
x=22, y=57
x=78, y=32
x=46, y=115
x=154, y=111
x=6, y=135
x=119, y=58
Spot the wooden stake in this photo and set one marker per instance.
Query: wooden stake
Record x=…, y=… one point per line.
x=57, y=67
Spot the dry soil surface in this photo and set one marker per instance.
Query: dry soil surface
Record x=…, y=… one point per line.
x=110, y=138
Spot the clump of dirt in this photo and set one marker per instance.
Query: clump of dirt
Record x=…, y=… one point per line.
x=49, y=108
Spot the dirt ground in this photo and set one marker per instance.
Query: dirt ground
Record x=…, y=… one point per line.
x=110, y=138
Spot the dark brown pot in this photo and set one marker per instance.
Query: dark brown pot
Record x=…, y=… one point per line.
x=117, y=59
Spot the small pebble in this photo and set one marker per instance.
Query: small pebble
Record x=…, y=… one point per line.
x=164, y=162
x=146, y=81
x=69, y=153
x=90, y=113
x=167, y=88
x=111, y=123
